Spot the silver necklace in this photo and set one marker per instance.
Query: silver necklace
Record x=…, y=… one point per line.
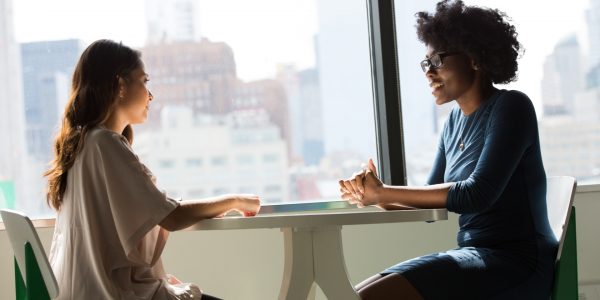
x=461, y=146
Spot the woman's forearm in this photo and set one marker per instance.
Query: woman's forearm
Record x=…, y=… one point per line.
x=431, y=196
x=209, y=207
x=192, y=211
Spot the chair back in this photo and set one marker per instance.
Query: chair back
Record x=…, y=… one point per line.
x=559, y=200
x=20, y=231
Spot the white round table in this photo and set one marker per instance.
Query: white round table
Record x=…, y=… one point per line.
x=313, y=244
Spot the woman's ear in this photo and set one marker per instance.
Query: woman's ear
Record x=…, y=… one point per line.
x=474, y=65
x=122, y=86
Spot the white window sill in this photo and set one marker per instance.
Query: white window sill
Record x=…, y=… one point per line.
x=47, y=223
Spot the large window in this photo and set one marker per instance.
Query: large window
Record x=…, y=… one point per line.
x=272, y=97
x=276, y=97
x=560, y=71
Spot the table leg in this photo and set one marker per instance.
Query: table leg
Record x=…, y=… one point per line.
x=315, y=255
x=298, y=273
x=330, y=269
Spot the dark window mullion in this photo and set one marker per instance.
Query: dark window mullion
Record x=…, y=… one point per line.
x=386, y=90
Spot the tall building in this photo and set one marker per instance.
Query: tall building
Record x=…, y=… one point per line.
x=593, y=24
x=345, y=80
x=12, y=124
x=172, y=21
x=202, y=76
x=303, y=92
x=592, y=78
x=47, y=72
x=287, y=76
x=551, y=95
x=562, y=78
x=268, y=95
x=313, y=146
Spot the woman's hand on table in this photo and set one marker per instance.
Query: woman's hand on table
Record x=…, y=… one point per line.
x=247, y=204
x=363, y=187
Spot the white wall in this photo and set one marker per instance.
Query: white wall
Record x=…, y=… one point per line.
x=248, y=264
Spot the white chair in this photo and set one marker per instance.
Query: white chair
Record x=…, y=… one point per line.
x=30, y=259
x=561, y=214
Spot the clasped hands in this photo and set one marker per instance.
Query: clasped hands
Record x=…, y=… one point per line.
x=363, y=187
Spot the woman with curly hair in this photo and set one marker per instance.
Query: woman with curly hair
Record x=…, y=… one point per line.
x=113, y=222
x=488, y=169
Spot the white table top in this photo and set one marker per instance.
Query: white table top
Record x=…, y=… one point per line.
x=321, y=218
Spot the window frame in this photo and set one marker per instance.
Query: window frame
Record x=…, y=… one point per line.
x=386, y=92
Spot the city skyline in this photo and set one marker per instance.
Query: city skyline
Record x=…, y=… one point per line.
x=326, y=121
x=261, y=53
x=569, y=131
x=128, y=24
x=507, y=6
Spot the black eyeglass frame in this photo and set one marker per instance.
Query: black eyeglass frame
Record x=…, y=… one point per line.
x=436, y=61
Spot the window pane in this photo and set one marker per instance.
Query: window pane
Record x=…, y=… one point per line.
x=559, y=71
x=269, y=97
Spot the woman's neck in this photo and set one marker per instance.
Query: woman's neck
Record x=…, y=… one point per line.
x=115, y=123
x=472, y=99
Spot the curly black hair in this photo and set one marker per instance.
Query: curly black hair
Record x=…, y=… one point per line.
x=483, y=34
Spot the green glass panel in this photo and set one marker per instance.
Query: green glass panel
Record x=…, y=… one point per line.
x=7, y=194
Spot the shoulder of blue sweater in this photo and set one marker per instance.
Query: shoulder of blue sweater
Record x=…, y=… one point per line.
x=514, y=98
x=514, y=104
x=514, y=94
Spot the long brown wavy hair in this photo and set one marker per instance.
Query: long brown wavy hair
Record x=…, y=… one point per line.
x=94, y=93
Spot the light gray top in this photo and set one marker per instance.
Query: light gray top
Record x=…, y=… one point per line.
x=106, y=242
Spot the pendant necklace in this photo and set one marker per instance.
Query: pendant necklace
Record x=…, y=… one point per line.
x=461, y=146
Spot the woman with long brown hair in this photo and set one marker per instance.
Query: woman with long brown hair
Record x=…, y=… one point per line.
x=113, y=221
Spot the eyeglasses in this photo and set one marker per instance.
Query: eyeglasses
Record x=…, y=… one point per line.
x=436, y=61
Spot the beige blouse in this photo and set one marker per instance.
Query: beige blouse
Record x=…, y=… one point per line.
x=107, y=243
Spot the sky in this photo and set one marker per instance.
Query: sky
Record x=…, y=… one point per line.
x=262, y=33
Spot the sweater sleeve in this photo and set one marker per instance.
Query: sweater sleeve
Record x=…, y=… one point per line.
x=511, y=131
x=439, y=164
